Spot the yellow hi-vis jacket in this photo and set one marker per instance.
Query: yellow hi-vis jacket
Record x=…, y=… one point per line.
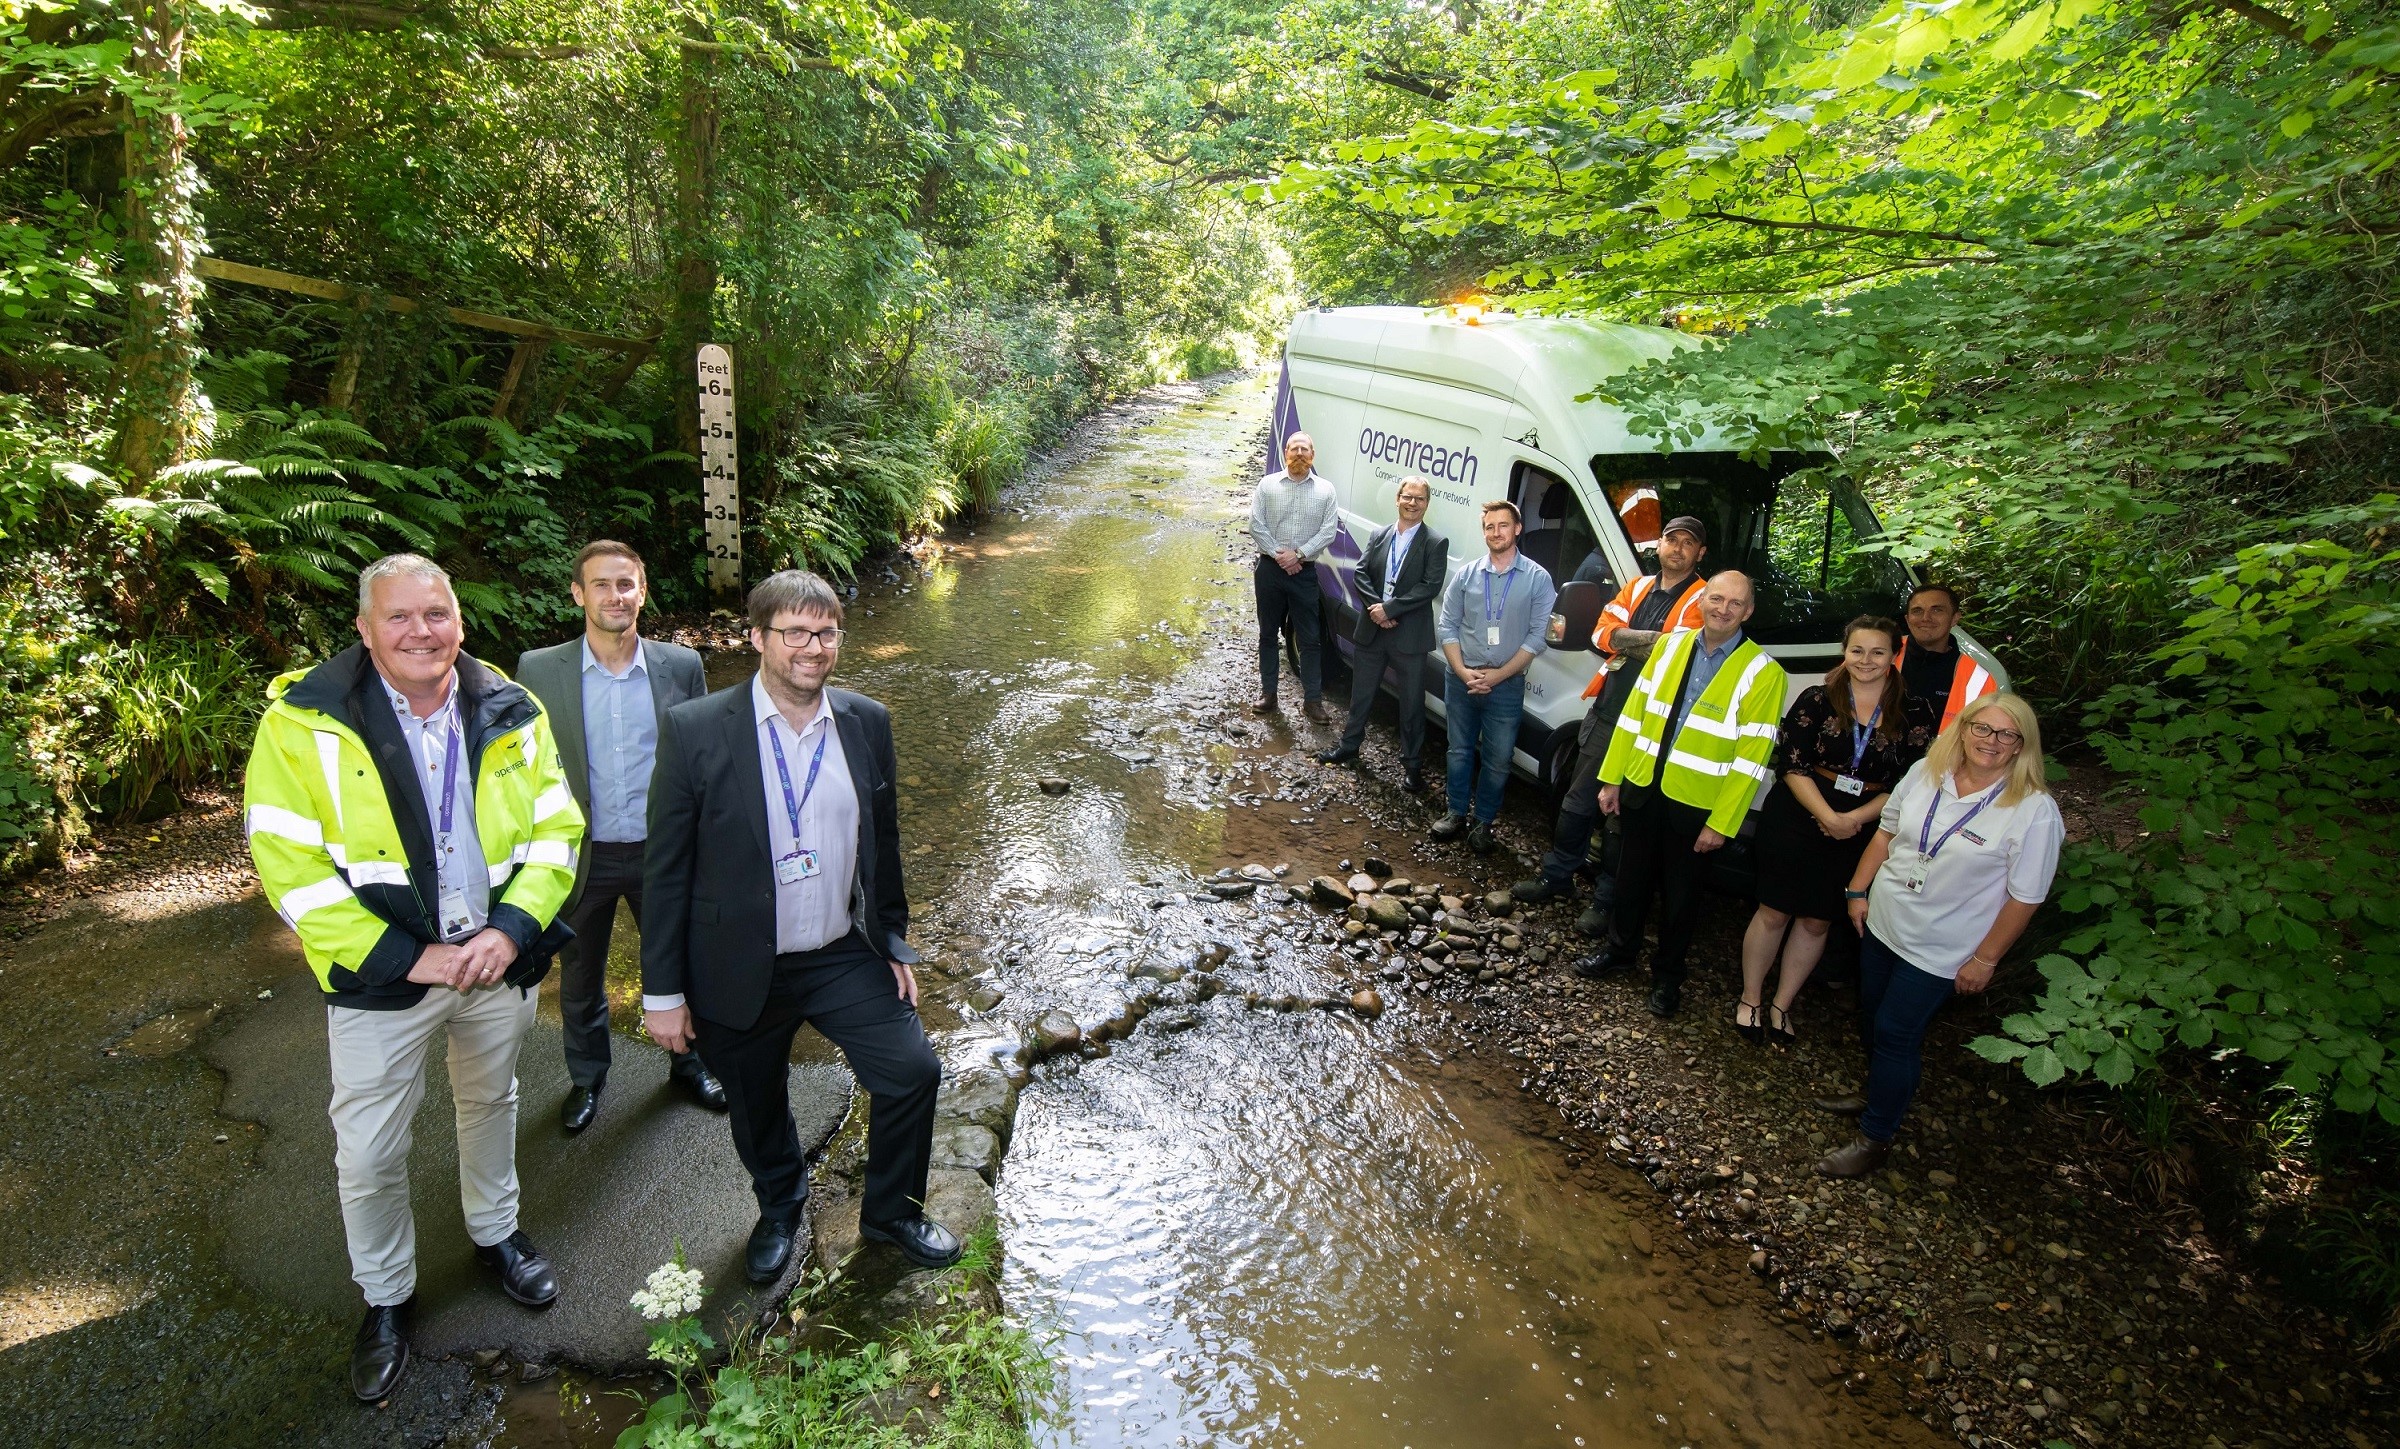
x=1718, y=763
x=354, y=876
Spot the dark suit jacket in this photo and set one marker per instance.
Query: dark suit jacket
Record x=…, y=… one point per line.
x=1422, y=575
x=555, y=677
x=708, y=883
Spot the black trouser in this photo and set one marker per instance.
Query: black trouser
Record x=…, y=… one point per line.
x=1366, y=675
x=615, y=875
x=1293, y=600
x=1579, y=818
x=847, y=993
x=1657, y=855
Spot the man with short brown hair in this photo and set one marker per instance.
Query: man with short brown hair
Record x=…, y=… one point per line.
x=1494, y=616
x=606, y=693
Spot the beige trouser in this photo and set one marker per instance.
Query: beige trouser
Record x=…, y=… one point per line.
x=378, y=1082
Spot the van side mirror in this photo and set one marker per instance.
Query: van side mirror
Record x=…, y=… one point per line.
x=1578, y=615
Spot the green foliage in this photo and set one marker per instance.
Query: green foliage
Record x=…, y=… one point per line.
x=2255, y=912
x=172, y=713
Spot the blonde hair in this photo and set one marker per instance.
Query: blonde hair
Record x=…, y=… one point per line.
x=2026, y=773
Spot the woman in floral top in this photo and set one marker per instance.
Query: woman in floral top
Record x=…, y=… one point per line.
x=1845, y=744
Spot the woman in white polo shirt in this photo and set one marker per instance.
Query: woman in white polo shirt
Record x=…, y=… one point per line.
x=1962, y=859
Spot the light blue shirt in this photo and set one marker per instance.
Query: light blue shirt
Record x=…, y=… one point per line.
x=1699, y=674
x=1397, y=555
x=458, y=862
x=1519, y=601
x=620, y=745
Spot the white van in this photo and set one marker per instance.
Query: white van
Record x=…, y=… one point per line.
x=1486, y=406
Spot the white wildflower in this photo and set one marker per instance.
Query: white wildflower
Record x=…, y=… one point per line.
x=671, y=1292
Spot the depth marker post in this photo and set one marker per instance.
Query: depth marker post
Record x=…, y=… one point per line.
x=720, y=481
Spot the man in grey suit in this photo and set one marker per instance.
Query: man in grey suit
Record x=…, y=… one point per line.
x=1399, y=577
x=607, y=694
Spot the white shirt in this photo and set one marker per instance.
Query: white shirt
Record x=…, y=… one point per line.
x=458, y=863
x=1397, y=555
x=2007, y=852
x=813, y=912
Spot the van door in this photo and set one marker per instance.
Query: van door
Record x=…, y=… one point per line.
x=1560, y=536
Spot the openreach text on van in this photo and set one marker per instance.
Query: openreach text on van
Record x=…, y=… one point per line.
x=1457, y=465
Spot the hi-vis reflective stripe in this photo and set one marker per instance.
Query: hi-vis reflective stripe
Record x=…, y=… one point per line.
x=377, y=872
x=299, y=902
x=550, y=852
x=284, y=824
x=329, y=759
x=550, y=802
x=1736, y=766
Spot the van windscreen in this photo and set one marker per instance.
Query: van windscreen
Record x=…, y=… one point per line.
x=1795, y=535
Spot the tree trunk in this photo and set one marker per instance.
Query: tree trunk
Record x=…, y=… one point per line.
x=163, y=418
x=692, y=239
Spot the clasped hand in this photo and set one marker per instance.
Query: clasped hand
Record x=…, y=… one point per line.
x=482, y=960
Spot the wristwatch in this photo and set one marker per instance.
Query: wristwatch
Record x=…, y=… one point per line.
x=1850, y=895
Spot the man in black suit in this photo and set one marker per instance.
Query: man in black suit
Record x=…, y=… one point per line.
x=1399, y=577
x=607, y=694
x=776, y=899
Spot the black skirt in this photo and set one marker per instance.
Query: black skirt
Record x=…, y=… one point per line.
x=1802, y=871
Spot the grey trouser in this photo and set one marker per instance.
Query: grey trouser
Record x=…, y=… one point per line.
x=378, y=1082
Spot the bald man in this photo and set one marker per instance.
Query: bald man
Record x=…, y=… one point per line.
x=1293, y=519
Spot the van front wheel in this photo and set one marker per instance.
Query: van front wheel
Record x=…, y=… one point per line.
x=1559, y=776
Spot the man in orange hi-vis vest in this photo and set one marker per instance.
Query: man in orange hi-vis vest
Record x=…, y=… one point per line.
x=1931, y=663
x=1647, y=607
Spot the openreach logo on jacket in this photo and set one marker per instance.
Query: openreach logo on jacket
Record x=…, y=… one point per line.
x=1454, y=465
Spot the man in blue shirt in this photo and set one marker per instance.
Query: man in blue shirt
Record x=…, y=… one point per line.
x=1494, y=616
x=606, y=693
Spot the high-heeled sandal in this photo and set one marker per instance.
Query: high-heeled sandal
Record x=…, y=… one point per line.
x=1753, y=1031
x=1779, y=1026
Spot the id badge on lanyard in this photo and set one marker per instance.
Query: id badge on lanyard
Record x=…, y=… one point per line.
x=1849, y=782
x=452, y=910
x=1491, y=620
x=1912, y=879
x=802, y=863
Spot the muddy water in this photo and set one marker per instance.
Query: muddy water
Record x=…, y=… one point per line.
x=1244, y=1226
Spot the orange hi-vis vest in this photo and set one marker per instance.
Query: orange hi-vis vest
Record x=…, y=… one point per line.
x=1619, y=614
x=1969, y=681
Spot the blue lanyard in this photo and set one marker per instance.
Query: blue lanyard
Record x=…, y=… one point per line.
x=793, y=807
x=1859, y=735
x=450, y=777
x=1392, y=561
x=1925, y=831
x=1509, y=581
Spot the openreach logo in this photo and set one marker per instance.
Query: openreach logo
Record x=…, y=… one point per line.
x=1456, y=465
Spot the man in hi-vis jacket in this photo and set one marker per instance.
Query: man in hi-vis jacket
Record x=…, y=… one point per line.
x=410, y=822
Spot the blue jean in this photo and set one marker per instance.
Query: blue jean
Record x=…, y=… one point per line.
x=1483, y=739
x=1896, y=1004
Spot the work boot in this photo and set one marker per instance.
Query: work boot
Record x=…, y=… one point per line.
x=1599, y=968
x=1534, y=892
x=1480, y=839
x=1265, y=705
x=1845, y=1106
x=1665, y=1001
x=1315, y=710
x=1593, y=923
x=1862, y=1156
x=1449, y=827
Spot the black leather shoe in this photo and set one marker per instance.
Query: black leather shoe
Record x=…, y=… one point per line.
x=1599, y=968
x=1480, y=839
x=1665, y=1000
x=1413, y=782
x=1863, y=1155
x=770, y=1250
x=379, y=1355
x=922, y=1241
x=1534, y=892
x=583, y=1104
x=1844, y=1106
x=1449, y=827
x=703, y=1085
x=524, y=1273
x=1338, y=755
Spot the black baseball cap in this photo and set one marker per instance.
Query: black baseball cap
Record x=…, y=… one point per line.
x=1687, y=524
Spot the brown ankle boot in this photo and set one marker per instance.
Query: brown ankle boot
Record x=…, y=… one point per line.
x=1862, y=1156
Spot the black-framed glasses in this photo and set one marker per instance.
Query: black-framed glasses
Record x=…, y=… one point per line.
x=799, y=636
x=1982, y=731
